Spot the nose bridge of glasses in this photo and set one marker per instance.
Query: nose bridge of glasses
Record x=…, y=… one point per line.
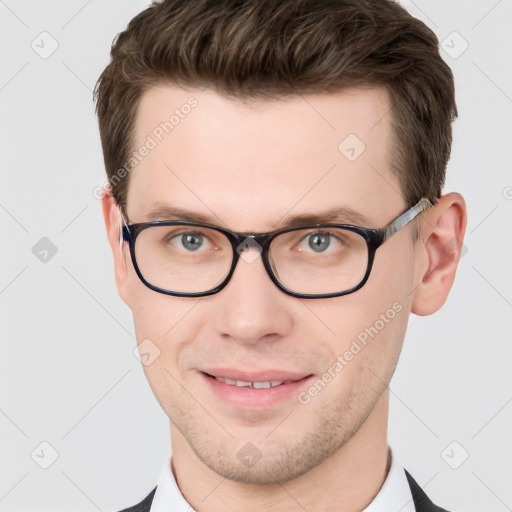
x=249, y=246
x=252, y=246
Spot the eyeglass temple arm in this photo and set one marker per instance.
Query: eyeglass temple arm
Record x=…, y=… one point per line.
x=123, y=223
x=407, y=217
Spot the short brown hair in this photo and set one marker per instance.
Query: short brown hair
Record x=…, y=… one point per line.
x=277, y=48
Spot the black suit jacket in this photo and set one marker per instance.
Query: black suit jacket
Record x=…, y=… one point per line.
x=422, y=502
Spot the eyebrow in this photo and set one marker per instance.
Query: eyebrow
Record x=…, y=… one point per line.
x=335, y=215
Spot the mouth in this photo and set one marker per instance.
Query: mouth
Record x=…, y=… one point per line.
x=254, y=391
x=262, y=384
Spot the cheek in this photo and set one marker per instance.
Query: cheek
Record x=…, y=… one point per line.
x=367, y=328
x=162, y=325
x=384, y=307
x=392, y=276
x=162, y=331
x=154, y=313
x=362, y=360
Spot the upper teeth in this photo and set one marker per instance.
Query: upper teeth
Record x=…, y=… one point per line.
x=257, y=385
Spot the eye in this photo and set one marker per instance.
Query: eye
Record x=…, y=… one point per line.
x=320, y=241
x=189, y=240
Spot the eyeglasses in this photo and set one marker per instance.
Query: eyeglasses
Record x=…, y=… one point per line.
x=190, y=259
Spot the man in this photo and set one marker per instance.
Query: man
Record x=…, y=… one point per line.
x=275, y=214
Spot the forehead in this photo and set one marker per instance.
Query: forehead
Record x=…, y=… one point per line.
x=249, y=164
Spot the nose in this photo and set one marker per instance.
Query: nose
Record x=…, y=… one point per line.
x=252, y=308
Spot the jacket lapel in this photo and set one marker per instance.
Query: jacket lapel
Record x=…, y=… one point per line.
x=144, y=505
x=422, y=502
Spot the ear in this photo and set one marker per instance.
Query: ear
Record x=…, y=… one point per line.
x=440, y=246
x=112, y=217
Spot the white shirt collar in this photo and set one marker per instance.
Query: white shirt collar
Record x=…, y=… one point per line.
x=394, y=495
x=168, y=497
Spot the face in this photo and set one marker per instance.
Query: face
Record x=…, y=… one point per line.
x=247, y=166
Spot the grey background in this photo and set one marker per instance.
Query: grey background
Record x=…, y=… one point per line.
x=68, y=374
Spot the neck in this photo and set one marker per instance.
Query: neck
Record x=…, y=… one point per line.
x=348, y=480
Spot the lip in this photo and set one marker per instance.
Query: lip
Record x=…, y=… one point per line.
x=246, y=398
x=261, y=376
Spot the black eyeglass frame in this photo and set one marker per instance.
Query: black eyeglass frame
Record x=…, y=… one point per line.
x=374, y=239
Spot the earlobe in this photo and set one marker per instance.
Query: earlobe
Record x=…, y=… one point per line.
x=439, y=252
x=112, y=218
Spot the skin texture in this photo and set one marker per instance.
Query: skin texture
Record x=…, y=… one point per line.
x=248, y=165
